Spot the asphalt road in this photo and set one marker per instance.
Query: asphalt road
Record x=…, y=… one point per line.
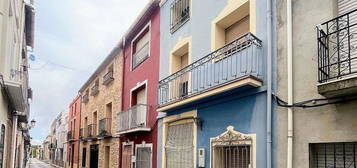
x=34, y=163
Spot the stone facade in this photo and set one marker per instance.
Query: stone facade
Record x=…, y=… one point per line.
x=99, y=103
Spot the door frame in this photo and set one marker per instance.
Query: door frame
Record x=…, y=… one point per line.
x=138, y=85
x=130, y=143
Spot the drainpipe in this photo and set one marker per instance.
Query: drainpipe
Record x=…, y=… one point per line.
x=269, y=81
x=14, y=137
x=290, y=84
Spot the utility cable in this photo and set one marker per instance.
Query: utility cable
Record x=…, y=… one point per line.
x=314, y=102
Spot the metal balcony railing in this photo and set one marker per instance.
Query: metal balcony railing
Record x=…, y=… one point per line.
x=105, y=127
x=234, y=61
x=337, y=47
x=141, y=55
x=69, y=135
x=94, y=90
x=85, y=98
x=108, y=77
x=92, y=130
x=134, y=117
x=82, y=133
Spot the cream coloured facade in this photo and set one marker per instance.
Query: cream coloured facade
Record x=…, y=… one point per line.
x=16, y=37
x=101, y=99
x=319, y=136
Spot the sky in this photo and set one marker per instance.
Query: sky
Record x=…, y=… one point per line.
x=72, y=37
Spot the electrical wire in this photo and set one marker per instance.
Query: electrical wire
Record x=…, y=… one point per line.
x=315, y=102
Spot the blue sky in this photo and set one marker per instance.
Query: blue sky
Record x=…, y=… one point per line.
x=72, y=38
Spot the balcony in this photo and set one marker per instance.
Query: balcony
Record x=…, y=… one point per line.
x=133, y=119
x=337, y=56
x=69, y=136
x=92, y=130
x=94, y=90
x=238, y=64
x=105, y=127
x=85, y=98
x=17, y=90
x=141, y=55
x=82, y=133
x=108, y=78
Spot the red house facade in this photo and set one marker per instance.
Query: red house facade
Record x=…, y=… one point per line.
x=73, y=139
x=137, y=122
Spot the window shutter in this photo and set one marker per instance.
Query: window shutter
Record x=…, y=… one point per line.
x=345, y=6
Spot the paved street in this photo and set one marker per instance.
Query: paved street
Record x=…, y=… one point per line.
x=35, y=163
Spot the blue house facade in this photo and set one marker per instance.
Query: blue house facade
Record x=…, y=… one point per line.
x=214, y=82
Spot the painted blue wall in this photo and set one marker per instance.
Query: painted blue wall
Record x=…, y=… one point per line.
x=245, y=110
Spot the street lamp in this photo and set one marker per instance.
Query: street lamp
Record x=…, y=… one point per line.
x=33, y=123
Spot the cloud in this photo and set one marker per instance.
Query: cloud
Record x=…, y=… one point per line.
x=71, y=39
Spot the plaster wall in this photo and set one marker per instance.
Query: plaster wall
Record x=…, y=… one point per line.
x=332, y=123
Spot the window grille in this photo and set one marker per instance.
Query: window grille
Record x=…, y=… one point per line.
x=180, y=13
x=232, y=156
x=179, y=146
x=336, y=155
x=143, y=157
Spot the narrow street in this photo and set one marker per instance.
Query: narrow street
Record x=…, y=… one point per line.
x=35, y=163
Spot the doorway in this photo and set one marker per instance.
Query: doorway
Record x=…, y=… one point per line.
x=94, y=152
x=126, y=155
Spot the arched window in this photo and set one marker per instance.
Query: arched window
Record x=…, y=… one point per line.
x=2, y=144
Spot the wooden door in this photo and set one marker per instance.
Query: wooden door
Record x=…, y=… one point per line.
x=126, y=156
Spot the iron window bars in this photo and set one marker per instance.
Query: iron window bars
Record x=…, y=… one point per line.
x=180, y=14
x=337, y=47
x=336, y=155
x=236, y=60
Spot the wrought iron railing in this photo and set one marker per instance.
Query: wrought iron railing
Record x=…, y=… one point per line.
x=81, y=133
x=105, y=127
x=141, y=55
x=94, y=90
x=92, y=130
x=69, y=135
x=134, y=117
x=108, y=77
x=180, y=14
x=85, y=98
x=337, y=47
x=239, y=59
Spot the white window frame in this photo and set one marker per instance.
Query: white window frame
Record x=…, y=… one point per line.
x=147, y=26
x=144, y=145
x=138, y=85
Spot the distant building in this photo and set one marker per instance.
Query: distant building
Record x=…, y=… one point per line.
x=16, y=38
x=61, y=133
x=73, y=134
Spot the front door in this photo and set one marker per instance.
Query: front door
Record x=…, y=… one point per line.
x=72, y=155
x=126, y=155
x=94, y=156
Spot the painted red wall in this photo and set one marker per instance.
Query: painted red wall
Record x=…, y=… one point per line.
x=74, y=116
x=148, y=70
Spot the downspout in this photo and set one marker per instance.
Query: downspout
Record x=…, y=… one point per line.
x=14, y=137
x=290, y=83
x=269, y=81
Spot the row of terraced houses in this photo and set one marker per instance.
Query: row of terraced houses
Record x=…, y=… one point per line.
x=223, y=84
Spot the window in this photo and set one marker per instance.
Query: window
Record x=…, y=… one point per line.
x=138, y=102
x=338, y=155
x=180, y=58
x=143, y=155
x=180, y=14
x=179, y=144
x=141, y=47
x=232, y=149
x=237, y=29
x=2, y=145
